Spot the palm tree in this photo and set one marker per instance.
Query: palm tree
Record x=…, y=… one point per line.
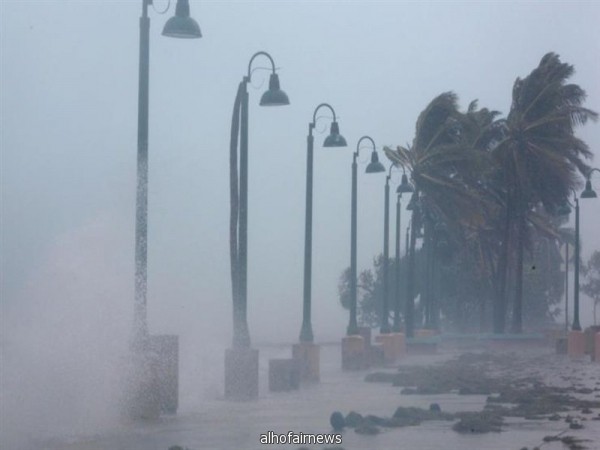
x=444, y=161
x=539, y=157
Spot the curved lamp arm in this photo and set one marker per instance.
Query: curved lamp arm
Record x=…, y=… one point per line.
x=369, y=138
x=322, y=105
x=257, y=54
x=389, y=174
x=589, y=175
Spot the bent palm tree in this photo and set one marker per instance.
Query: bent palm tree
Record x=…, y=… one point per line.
x=539, y=157
x=444, y=161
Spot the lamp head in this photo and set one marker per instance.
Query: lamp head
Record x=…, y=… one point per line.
x=181, y=25
x=335, y=139
x=413, y=203
x=375, y=166
x=588, y=192
x=274, y=96
x=405, y=186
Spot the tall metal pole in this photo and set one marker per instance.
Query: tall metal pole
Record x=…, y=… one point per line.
x=427, y=247
x=242, y=334
x=306, y=333
x=576, y=326
x=140, y=330
x=385, y=326
x=353, y=325
x=409, y=306
x=396, y=326
x=566, y=286
x=406, y=239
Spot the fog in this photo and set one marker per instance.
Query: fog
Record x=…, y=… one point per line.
x=69, y=86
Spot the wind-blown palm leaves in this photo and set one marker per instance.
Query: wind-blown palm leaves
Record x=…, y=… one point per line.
x=488, y=179
x=445, y=159
x=539, y=156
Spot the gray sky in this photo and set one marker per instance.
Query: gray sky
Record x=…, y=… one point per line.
x=68, y=144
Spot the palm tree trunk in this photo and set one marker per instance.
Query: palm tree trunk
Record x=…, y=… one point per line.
x=517, y=315
x=499, y=309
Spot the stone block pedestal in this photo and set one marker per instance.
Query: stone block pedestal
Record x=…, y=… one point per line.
x=399, y=344
x=165, y=349
x=425, y=333
x=597, y=348
x=241, y=373
x=142, y=399
x=308, y=355
x=389, y=343
x=576, y=344
x=354, y=353
x=365, y=332
x=284, y=374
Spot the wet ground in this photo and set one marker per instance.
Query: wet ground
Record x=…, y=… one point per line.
x=220, y=424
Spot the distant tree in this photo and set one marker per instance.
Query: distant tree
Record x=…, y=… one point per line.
x=591, y=285
x=370, y=289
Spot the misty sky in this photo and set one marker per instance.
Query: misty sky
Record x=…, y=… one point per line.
x=69, y=74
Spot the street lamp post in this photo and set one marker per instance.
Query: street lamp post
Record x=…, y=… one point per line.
x=396, y=323
x=415, y=225
x=180, y=26
x=374, y=167
x=141, y=404
x=241, y=362
x=588, y=192
x=274, y=96
x=306, y=352
x=335, y=139
x=403, y=188
x=576, y=339
x=576, y=326
x=384, y=327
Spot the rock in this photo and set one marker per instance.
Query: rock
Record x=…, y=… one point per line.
x=435, y=407
x=376, y=420
x=353, y=419
x=337, y=420
x=380, y=377
x=477, y=423
x=554, y=417
x=586, y=411
x=409, y=391
x=575, y=425
x=367, y=427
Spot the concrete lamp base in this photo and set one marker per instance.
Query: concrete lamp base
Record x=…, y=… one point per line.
x=284, y=374
x=166, y=349
x=389, y=342
x=241, y=373
x=399, y=344
x=308, y=355
x=142, y=399
x=576, y=344
x=153, y=378
x=425, y=333
x=354, y=353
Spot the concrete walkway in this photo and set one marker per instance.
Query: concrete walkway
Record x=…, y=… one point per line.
x=223, y=425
